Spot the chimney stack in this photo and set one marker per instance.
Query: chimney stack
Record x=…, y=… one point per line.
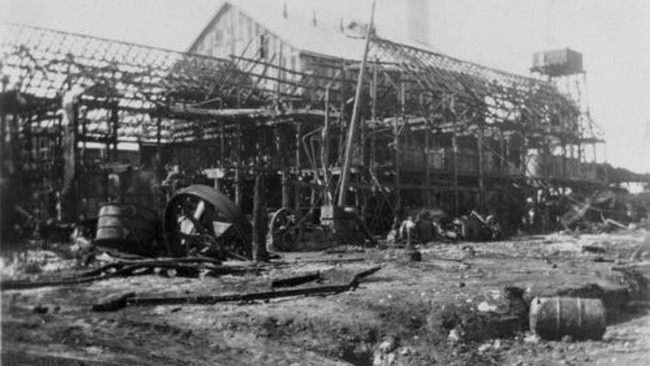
x=284, y=10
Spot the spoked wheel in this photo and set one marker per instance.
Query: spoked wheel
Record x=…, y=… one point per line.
x=198, y=219
x=285, y=229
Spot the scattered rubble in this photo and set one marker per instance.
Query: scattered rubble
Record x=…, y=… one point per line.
x=408, y=313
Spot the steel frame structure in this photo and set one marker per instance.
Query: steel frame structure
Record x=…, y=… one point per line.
x=247, y=115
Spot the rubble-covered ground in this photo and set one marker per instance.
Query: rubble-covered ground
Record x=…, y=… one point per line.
x=448, y=309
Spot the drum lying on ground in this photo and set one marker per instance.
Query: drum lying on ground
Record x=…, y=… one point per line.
x=555, y=317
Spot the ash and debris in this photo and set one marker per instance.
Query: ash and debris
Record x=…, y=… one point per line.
x=457, y=306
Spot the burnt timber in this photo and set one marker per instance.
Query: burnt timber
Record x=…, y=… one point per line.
x=434, y=131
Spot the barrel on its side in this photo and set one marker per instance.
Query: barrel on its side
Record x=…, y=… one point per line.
x=555, y=317
x=128, y=227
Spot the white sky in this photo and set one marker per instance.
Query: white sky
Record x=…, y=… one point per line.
x=613, y=35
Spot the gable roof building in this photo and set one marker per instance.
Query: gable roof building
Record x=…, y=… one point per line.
x=275, y=46
x=439, y=101
x=237, y=26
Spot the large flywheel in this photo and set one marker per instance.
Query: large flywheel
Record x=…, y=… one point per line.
x=285, y=229
x=198, y=219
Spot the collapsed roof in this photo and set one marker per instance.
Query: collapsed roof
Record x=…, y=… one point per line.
x=145, y=81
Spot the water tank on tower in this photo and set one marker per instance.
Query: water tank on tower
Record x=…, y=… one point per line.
x=561, y=62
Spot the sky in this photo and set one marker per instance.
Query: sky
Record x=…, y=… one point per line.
x=612, y=35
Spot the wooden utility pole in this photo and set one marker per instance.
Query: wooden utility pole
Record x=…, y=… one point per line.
x=259, y=220
x=373, y=142
x=454, y=152
x=345, y=173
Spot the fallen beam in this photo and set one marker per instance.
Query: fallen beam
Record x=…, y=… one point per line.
x=131, y=299
x=295, y=281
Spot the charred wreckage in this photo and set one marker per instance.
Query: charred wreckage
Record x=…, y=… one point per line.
x=186, y=153
x=268, y=137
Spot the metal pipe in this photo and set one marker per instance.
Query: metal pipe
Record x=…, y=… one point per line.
x=345, y=173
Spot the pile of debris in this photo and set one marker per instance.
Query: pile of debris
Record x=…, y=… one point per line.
x=605, y=211
x=434, y=225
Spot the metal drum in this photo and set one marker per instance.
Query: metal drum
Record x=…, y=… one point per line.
x=555, y=317
x=127, y=227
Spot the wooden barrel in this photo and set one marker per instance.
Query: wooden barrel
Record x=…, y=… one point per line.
x=555, y=317
x=127, y=227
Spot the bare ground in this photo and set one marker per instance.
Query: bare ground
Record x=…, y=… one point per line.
x=401, y=315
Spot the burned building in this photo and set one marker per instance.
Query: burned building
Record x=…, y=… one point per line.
x=436, y=131
x=88, y=120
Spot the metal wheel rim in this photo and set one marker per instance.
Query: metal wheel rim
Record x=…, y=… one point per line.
x=216, y=204
x=287, y=239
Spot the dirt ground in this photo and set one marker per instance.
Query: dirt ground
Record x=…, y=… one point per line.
x=448, y=309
